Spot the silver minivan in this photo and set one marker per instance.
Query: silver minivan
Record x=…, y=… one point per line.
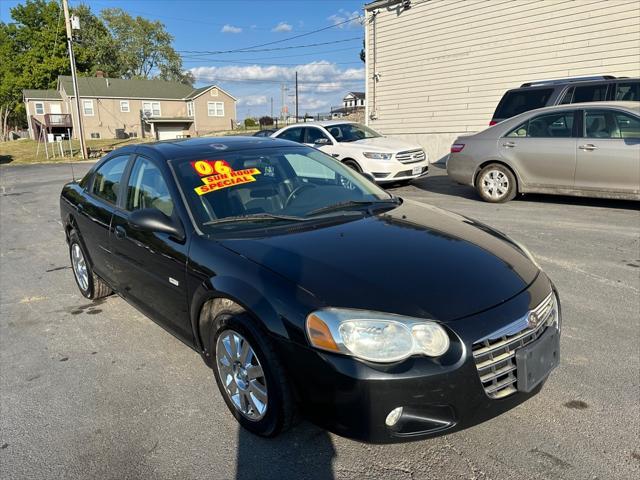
x=585, y=149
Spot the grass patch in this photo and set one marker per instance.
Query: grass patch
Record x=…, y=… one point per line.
x=28, y=151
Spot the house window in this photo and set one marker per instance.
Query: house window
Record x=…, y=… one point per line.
x=152, y=107
x=215, y=109
x=124, y=106
x=39, y=108
x=189, y=109
x=87, y=108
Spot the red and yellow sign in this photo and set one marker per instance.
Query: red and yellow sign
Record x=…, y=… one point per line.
x=218, y=174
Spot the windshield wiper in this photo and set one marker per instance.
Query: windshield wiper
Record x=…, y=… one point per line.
x=260, y=217
x=353, y=203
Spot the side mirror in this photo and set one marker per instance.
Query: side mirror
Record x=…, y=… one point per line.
x=153, y=220
x=322, y=141
x=368, y=176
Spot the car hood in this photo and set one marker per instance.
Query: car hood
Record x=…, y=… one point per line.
x=384, y=144
x=414, y=260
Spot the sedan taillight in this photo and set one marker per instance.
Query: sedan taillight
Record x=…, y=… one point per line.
x=492, y=123
x=457, y=147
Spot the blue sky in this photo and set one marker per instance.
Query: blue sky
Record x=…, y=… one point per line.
x=325, y=72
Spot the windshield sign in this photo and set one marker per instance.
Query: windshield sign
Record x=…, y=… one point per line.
x=271, y=186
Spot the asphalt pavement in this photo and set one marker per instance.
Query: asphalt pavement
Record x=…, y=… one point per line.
x=97, y=390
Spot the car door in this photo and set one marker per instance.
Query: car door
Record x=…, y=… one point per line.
x=150, y=265
x=608, y=152
x=543, y=150
x=95, y=211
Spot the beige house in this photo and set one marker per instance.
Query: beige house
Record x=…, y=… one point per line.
x=437, y=69
x=119, y=108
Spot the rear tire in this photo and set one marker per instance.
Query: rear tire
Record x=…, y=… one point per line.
x=90, y=285
x=496, y=184
x=247, y=386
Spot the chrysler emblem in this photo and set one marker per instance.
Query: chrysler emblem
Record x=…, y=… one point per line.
x=533, y=320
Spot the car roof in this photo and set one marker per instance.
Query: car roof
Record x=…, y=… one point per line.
x=322, y=123
x=634, y=107
x=210, y=146
x=561, y=83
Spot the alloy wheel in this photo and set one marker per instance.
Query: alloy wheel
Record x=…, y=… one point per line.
x=495, y=184
x=242, y=376
x=79, y=267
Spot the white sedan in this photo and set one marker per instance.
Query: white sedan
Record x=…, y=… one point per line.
x=361, y=148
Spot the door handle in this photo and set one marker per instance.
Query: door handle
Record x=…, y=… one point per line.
x=121, y=233
x=509, y=144
x=588, y=146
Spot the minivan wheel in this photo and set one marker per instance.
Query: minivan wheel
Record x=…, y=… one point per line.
x=250, y=377
x=89, y=284
x=496, y=184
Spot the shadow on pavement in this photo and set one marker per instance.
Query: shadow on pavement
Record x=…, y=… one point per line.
x=4, y=159
x=304, y=452
x=437, y=181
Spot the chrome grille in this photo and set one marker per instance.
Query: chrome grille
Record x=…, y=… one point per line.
x=495, y=354
x=411, y=156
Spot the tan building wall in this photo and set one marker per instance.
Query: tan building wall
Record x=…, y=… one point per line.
x=443, y=66
x=48, y=105
x=204, y=123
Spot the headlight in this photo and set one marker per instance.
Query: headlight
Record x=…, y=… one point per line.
x=378, y=155
x=375, y=336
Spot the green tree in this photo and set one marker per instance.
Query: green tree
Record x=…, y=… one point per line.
x=144, y=47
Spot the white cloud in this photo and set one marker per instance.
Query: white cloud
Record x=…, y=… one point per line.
x=252, y=100
x=231, y=29
x=282, y=27
x=344, y=15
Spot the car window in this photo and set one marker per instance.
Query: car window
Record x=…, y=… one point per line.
x=628, y=126
x=106, y=180
x=314, y=134
x=550, y=125
x=590, y=93
x=308, y=169
x=519, y=101
x=147, y=188
x=628, y=91
x=351, y=132
x=293, y=134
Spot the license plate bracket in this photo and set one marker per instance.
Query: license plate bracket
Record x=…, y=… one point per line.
x=535, y=361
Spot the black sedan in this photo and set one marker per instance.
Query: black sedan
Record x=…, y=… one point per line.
x=305, y=287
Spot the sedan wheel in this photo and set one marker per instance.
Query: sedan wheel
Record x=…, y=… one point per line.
x=496, y=184
x=79, y=267
x=241, y=374
x=90, y=285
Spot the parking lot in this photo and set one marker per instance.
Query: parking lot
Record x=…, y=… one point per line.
x=99, y=391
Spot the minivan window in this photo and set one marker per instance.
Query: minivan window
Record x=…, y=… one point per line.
x=551, y=125
x=590, y=93
x=520, y=101
x=106, y=180
x=628, y=91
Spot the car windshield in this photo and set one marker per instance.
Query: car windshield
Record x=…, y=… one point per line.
x=351, y=132
x=271, y=186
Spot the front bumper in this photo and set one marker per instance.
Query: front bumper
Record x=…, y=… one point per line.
x=394, y=171
x=439, y=396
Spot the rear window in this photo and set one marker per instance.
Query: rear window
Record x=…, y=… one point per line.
x=516, y=102
x=628, y=91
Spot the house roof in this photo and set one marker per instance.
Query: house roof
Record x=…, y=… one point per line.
x=41, y=94
x=356, y=94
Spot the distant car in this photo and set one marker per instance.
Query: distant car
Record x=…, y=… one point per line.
x=302, y=286
x=546, y=93
x=362, y=149
x=267, y=132
x=585, y=149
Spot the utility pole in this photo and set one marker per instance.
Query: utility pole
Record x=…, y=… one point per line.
x=271, y=107
x=74, y=77
x=296, y=96
x=284, y=109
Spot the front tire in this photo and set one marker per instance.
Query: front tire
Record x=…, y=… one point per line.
x=353, y=165
x=90, y=285
x=250, y=376
x=496, y=184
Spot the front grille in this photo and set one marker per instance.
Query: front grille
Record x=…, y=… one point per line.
x=411, y=156
x=495, y=355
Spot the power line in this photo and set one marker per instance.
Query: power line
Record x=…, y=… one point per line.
x=266, y=64
x=269, y=49
x=215, y=78
x=322, y=52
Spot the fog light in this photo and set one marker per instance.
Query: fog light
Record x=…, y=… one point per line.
x=393, y=417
